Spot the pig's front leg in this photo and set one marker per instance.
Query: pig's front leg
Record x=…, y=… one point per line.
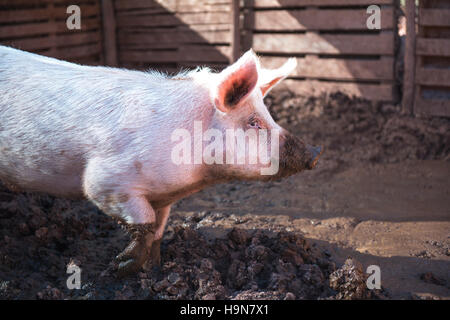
x=139, y=250
x=161, y=221
x=135, y=213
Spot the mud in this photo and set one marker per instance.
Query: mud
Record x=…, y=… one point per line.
x=42, y=236
x=355, y=130
x=278, y=240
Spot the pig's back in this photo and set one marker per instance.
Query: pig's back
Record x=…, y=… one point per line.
x=54, y=115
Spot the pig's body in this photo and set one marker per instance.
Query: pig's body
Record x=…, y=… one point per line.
x=105, y=133
x=60, y=122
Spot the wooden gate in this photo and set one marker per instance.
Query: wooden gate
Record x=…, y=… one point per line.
x=427, y=63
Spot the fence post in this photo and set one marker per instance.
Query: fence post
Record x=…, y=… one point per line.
x=109, y=33
x=410, y=56
x=235, y=31
x=248, y=25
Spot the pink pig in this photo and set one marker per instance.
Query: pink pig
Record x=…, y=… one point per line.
x=108, y=135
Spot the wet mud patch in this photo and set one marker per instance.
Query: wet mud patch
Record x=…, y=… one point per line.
x=40, y=236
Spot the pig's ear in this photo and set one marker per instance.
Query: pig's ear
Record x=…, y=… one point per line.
x=237, y=82
x=270, y=78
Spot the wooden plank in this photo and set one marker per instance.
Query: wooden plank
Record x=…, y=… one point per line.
x=148, y=46
x=66, y=2
x=174, y=20
x=205, y=27
x=433, y=76
x=337, y=69
x=86, y=24
x=37, y=43
x=179, y=9
x=76, y=52
x=432, y=107
x=87, y=10
x=433, y=47
x=376, y=92
x=204, y=53
x=22, y=30
x=199, y=28
x=33, y=29
x=35, y=14
x=26, y=15
x=248, y=26
x=434, y=17
x=172, y=37
x=148, y=56
x=12, y=4
x=168, y=4
x=142, y=4
x=410, y=48
x=300, y=3
x=90, y=60
x=312, y=43
x=418, y=60
x=235, y=32
x=312, y=19
x=148, y=21
x=109, y=33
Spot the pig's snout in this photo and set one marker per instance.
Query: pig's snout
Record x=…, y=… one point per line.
x=296, y=156
x=315, y=153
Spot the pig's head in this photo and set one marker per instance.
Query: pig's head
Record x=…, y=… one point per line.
x=238, y=95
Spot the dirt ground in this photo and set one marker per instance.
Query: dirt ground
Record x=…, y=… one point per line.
x=379, y=196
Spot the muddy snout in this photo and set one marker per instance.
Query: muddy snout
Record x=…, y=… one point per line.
x=313, y=157
x=297, y=156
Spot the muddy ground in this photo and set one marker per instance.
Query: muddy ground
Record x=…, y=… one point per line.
x=379, y=196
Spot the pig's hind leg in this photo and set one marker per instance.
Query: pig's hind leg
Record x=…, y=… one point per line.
x=161, y=221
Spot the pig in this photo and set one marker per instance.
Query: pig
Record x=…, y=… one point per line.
x=106, y=134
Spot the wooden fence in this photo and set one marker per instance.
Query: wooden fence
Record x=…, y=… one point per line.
x=174, y=34
x=40, y=26
x=427, y=72
x=335, y=49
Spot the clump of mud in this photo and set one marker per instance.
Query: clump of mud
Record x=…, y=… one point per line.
x=40, y=236
x=244, y=265
x=349, y=282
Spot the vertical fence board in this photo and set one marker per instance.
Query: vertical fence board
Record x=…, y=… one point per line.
x=235, y=31
x=109, y=33
x=410, y=48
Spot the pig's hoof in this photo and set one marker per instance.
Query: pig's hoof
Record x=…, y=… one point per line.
x=131, y=259
x=137, y=252
x=128, y=267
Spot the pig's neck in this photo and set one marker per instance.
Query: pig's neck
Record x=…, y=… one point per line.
x=186, y=105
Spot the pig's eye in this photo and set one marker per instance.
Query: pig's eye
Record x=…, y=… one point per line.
x=254, y=124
